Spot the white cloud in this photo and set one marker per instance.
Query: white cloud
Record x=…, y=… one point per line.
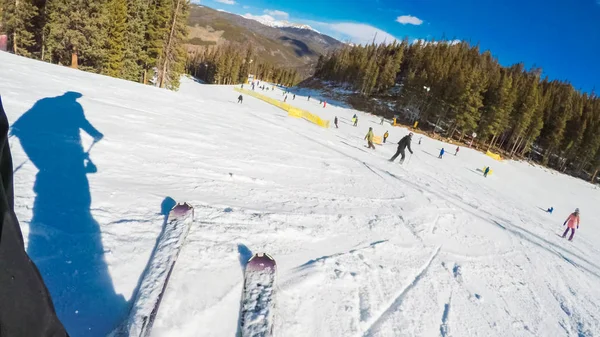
x=410, y=20
x=358, y=33
x=227, y=2
x=423, y=41
x=279, y=14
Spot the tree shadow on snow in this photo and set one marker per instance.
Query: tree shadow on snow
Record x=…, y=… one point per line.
x=64, y=239
x=434, y=156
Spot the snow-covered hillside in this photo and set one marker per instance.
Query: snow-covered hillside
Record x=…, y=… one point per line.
x=364, y=247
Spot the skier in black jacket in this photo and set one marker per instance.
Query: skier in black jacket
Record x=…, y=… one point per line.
x=26, y=308
x=402, y=144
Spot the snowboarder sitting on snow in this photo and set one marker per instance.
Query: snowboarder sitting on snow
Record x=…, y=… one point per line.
x=402, y=144
x=442, y=153
x=487, y=170
x=385, y=136
x=240, y=99
x=550, y=210
x=571, y=222
x=335, y=120
x=369, y=139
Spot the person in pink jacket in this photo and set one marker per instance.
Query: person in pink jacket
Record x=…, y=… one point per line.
x=571, y=222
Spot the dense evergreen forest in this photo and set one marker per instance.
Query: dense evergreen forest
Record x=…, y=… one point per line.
x=457, y=87
x=137, y=40
x=231, y=64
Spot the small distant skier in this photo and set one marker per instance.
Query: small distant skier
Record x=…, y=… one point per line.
x=240, y=99
x=308, y=98
x=324, y=104
x=381, y=120
x=294, y=97
x=571, y=222
x=242, y=85
x=550, y=210
x=252, y=86
x=403, y=144
x=486, y=172
x=369, y=139
x=442, y=151
x=385, y=136
x=420, y=139
x=285, y=99
x=355, y=120
x=457, y=149
x=335, y=121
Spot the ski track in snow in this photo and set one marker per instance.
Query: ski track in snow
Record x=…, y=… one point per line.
x=364, y=247
x=378, y=319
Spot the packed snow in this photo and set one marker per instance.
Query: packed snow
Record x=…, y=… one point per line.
x=364, y=247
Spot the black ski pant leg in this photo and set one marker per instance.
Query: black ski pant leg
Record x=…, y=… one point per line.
x=397, y=154
x=26, y=308
x=566, y=232
x=403, y=156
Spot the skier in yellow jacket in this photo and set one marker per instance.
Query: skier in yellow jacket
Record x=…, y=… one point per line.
x=369, y=139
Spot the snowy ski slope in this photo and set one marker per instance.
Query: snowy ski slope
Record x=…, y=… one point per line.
x=364, y=247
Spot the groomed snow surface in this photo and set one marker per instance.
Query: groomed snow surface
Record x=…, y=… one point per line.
x=364, y=247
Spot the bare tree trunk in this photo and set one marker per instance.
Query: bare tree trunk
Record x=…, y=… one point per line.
x=74, y=59
x=512, y=150
x=594, y=175
x=491, y=142
x=168, y=46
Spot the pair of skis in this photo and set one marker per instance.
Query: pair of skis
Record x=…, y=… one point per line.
x=256, y=312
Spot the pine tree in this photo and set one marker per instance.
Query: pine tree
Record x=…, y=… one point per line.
x=115, y=39
x=75, y=34
x=171, y=63
x=17, y=20
x=135, y=55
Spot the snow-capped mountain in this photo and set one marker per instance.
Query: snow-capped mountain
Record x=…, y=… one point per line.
x=270, y=21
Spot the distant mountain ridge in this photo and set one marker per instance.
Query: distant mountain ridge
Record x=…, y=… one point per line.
x=282, y=43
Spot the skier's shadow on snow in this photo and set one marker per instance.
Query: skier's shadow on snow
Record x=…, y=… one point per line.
x=64, y=238
x=245, y=255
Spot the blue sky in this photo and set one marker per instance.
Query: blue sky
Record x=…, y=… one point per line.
x=560, y=36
